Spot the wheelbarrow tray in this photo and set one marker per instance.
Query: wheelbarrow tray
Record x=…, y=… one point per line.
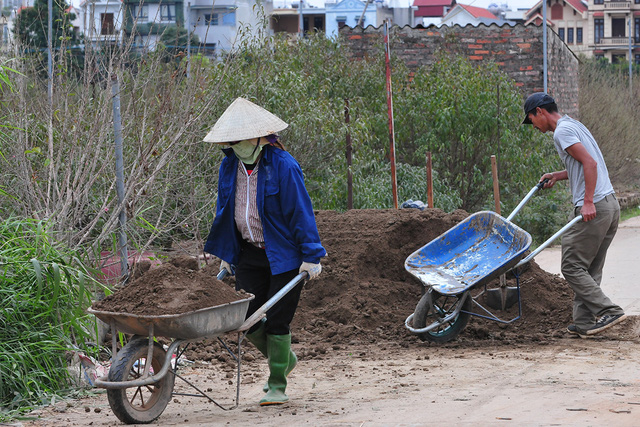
x=203, y=323
x=474, y=252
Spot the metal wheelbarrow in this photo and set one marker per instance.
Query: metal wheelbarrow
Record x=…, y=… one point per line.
x=467, y=257
x=141, y=378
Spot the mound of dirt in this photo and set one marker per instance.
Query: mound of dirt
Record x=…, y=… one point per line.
x=364, y=293
x=175, y=287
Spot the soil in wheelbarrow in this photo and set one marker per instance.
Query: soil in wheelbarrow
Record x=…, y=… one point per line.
x=175, y=287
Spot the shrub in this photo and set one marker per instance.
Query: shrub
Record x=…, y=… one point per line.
x=44, y=291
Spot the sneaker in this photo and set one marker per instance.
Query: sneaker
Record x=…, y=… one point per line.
x=572, y=329
x=605, y=322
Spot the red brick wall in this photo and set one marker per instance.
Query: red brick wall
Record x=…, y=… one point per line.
x=517, y=50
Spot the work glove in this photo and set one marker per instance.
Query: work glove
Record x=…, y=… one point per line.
x=313, y=269
x=227, y=266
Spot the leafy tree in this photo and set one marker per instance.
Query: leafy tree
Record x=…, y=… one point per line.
x=175, y=39
x=31, y=25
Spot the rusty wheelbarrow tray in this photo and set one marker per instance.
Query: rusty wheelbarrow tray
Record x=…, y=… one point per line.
x=468, y=256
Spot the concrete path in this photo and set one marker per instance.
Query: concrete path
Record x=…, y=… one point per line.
x=621, y=276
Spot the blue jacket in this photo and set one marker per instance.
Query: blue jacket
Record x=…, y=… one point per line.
x=288, y=223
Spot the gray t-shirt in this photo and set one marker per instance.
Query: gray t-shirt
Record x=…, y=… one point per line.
x=568, y=132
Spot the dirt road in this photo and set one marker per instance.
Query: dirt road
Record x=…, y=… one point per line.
x=620, y=274
x=573, y=382
x=359, y=366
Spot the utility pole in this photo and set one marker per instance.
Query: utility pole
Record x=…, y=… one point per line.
x=544, y=43
x=301, y=21
x=366, y=3
x=188, y=38
x=630, y=62
x=120, y=191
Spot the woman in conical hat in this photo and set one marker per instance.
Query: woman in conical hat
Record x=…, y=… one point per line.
x=265, y=227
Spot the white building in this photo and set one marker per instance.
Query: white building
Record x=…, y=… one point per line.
x=217, y=24
x=100, y=21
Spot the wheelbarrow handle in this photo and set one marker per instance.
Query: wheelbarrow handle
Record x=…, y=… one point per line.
x=262, y=311
x=533, y=191
x=549, y=241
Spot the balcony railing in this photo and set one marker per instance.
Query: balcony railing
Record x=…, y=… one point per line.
x=613, y=41
x=617, y=5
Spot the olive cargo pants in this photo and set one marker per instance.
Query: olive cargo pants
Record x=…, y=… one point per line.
x=584, y=249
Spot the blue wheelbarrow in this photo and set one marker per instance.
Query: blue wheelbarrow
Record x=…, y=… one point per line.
x=467, y=258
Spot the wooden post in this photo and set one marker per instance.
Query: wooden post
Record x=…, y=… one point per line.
x=429, y=182
x=348, y=154
x=392, y=140
x=496, y=186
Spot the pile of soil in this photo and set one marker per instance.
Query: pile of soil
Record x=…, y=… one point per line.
x=364, y=294
x=175, y=287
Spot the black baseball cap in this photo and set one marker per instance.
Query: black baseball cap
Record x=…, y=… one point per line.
x=534, y=101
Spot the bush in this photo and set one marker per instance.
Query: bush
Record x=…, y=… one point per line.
x=44, y=291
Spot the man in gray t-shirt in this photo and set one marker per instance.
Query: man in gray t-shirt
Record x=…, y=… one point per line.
x=584, y=246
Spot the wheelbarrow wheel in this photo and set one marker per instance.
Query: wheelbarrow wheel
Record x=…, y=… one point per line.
x=139, y=405
x=432, y=307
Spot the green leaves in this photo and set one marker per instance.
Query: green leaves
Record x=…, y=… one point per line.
x=44, y=290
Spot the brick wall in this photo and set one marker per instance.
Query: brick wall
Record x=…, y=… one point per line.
x=517, y=50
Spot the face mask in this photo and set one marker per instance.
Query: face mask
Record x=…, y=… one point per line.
x=247, y=151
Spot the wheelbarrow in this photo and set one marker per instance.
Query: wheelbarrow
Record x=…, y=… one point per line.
x=141, y=378
x=467, y=258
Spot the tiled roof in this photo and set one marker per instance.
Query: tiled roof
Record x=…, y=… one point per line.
x=577, y=5
x=433, y=2
x=477, y=12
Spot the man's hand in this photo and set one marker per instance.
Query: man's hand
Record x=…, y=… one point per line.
x=313, y=269
x=588, y=211
x=551, y=180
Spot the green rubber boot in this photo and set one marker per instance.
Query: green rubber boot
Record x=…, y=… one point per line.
x=259, y=339
x=279, y=351
x=293, y=361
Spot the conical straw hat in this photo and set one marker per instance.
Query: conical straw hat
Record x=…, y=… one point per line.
x=244, y=120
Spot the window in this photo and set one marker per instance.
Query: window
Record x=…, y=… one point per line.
x=140, y=13
x=598, y=1
x=636, y=31
x=579, y=35
x=561, y=33
x=106, y=24
x=618, y=27
x=637, y=59
x=556, y=12
x=211, y=19
x=342, y=21
x=618, y=59
x=168, y=12
x=569, y=35
x=229, y=18
x=598, y=27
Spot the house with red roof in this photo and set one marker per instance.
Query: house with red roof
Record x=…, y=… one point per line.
x=429, y=12
x=463, y=14
x=597, y=28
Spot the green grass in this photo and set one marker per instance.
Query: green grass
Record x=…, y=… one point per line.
x=44, y=291
x=629, y=213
